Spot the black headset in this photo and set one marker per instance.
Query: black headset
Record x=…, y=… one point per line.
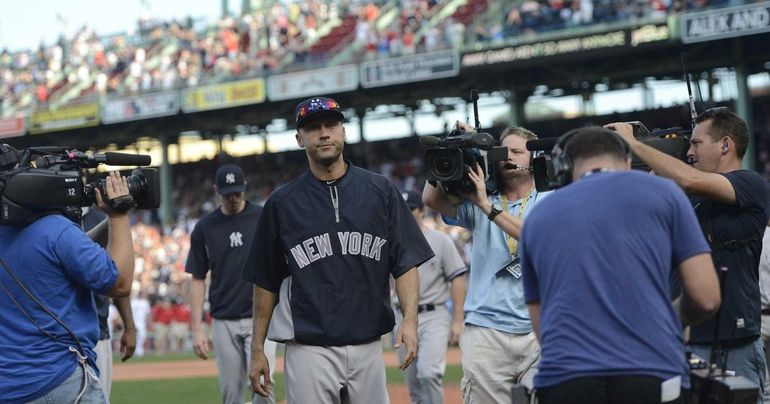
x=562, y=161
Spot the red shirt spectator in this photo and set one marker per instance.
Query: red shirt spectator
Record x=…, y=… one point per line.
x=180, y=313
x=162, y=313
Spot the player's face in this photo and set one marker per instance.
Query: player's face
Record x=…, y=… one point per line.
x=323, y=140
x=704, y=153
x=233, y=203
x=518, y=155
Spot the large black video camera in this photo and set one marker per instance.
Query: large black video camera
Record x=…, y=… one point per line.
x=51, y=183
x=673, y=141
x=448, y=156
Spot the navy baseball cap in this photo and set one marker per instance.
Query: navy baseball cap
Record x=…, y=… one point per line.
x=413, y=199
x=230, y=179
x=316, y=107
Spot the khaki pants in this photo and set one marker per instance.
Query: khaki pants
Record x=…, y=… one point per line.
x=495, y=361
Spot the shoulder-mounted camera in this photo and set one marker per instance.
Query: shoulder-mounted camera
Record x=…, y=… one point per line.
x=35, y=182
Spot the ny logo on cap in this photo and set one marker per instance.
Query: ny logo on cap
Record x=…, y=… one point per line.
x=230, y=178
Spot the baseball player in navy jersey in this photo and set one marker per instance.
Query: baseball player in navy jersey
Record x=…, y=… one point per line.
x=220, y=243
x=441, y=275
x=328, y=240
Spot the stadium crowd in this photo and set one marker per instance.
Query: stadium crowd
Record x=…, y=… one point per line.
x=161, y=55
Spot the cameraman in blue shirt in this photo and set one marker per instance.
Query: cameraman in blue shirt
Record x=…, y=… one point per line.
x=499, y=349
x=598, y=287
x=49, y=326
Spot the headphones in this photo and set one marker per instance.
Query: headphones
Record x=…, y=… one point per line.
x=562, y=161
x=725, y=145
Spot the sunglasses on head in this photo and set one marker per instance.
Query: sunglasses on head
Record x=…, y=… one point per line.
x=315, y=106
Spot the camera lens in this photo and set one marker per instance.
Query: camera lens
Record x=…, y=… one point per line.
x=445, y=165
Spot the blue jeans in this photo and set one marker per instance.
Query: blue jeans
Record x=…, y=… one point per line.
x=69, y=389
x=746, y=360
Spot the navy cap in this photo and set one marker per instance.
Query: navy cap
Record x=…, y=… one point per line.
x=413, y=199
x=315, y=107
x=230, y=179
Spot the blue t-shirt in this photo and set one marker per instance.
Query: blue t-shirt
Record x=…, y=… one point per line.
x=598, y=255
x=60, y=266
x=495, y=297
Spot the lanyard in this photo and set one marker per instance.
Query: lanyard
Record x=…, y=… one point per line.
x=513, y=244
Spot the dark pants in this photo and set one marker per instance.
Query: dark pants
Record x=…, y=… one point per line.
x=605, y=390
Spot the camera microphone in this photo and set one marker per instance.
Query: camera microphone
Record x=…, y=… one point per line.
x=542, y=144
x=428, y=141
x=509, y=166
x=124, y=159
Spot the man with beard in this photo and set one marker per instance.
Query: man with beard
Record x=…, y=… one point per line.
x=327, y=241
x=498, y=346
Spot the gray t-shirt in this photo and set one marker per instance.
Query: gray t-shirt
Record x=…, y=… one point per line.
x=764, y=270
x=436, y=273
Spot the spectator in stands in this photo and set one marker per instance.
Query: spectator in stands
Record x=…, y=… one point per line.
x=595, y=331
x=180, y=325
x=140, y=307
x=498, y=346
x=162, y=316
x=731, y=205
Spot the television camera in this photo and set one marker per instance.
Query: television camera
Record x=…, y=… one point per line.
x=447, y=157
x=672, y=141
x=39, y=181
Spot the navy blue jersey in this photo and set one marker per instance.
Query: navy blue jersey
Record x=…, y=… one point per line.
x=339, y=257
x=744, y=220
x=221, y=243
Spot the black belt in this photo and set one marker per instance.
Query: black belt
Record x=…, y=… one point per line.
x=421, y=308
x=425, y=307
x=766, y=312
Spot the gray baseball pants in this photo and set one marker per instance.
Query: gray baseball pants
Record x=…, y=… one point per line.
x=232, y=346
x=350, y=374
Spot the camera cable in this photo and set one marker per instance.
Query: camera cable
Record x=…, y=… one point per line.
x=79, y=351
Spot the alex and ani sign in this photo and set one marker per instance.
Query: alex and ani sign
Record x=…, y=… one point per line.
x=727, y=22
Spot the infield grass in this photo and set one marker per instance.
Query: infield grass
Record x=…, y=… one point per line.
x=206, y=389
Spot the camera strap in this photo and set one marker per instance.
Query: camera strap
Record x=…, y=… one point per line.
x=513, y=244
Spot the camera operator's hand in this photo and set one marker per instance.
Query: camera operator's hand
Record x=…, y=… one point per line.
x=625, y=130
x=464, y=126
x=479, y=197
x=116, y=187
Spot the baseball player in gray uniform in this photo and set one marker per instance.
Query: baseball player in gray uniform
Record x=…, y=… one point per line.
x=443, y=274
